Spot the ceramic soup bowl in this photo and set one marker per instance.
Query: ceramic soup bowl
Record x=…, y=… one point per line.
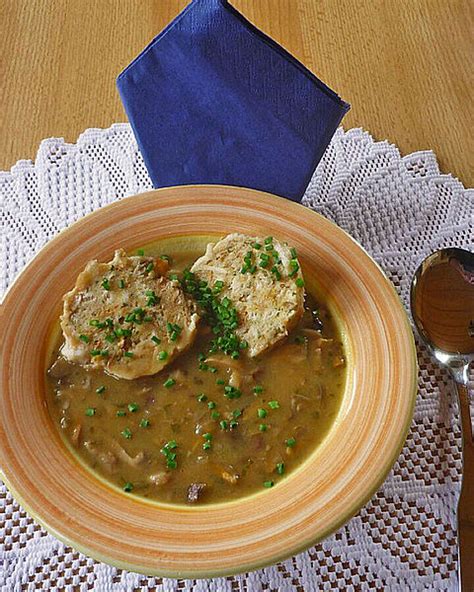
x=329, y=487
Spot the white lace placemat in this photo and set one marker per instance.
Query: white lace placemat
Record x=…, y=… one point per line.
x=399, y=209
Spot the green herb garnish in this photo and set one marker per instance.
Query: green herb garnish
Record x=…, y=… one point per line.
x=280, y=468
x=90, y=411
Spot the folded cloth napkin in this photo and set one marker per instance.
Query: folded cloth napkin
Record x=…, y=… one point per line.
x=214, y=100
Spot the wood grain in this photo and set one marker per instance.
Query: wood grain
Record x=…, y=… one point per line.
x=404, y=65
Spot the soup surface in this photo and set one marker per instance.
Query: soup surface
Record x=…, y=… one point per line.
x=207, y=428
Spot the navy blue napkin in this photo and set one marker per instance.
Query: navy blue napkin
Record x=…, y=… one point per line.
x=214, y=100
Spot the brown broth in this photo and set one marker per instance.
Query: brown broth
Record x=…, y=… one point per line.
x=305, y=375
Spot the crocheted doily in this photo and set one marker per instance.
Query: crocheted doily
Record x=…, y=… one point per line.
x=399, y=209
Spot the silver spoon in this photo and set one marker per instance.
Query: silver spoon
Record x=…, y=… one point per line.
x=442, y=306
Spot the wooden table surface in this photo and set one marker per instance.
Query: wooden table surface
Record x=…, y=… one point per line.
x=404, y=65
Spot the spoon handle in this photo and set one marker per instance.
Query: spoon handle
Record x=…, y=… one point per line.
x=466, y=499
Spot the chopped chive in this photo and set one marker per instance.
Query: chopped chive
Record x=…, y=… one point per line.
x=170, y=445
x=268, y=240
x=269, y=248
x=220, y=381
x=150, y=267
x=233, y=424
x=203, y=367
x=162, y=355
x=235, y=355
x=106, y=284
x=128, y=354
x=201, y=357
x=90, y=411
x=122, y=332
x=300, y=339
x=258, y=389
x=218, y=285
x=231, y=392
x=257, y=246
x=121, y=284
x=104, y=353
x=280, y=468
x=95, y=352
x=126, y=433
x=165, y=258
x=207, y=446
x=207, y=436
x=147, y=319
x=84, y=338
x=236, y=413
x=211, y=405
x=263, y=427
x=202, y=398
x=215, y=415
x=111, y=337
x=152, y=298
x=293, y=252
x=223, y=424
x=243, y=344
x=173, y=276
x=140, y=252
x=132, y=407
x=294, y=265
x=155, y=339
x=121, y=413
x=99, y=390
x=212, y=369
x=169, y=382
x=261, y=413
x=128, y=487
x=290, y=442
x=268, y=484
x=274, y=404
x=299, y=282
x=276, y=272
x=171, y=464
x=144, y=423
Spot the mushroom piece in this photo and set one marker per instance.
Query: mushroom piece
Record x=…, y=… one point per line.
x=60, y=368
x=195, y=491
x=159, y=479
x=231, y=478
x=123, y=455
x=76, y=434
